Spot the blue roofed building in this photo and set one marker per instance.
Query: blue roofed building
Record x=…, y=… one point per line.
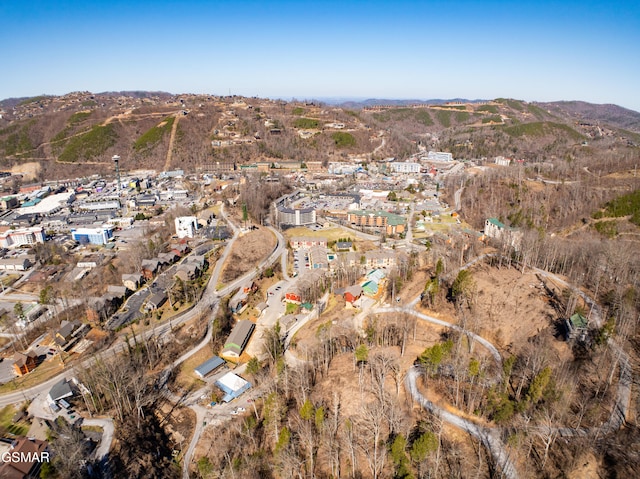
x=232, y=385
x=99, y=236
x=209, y=366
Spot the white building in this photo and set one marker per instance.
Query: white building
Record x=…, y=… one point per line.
x=493, y=228
x=49, y=205
x=439, y=156
x=186, y=226
x=99, y=235
x=502, y=161
x=295, y=217
x=405, y=167
x=22, y=236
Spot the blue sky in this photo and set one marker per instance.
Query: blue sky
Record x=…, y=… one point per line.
x=535, y=51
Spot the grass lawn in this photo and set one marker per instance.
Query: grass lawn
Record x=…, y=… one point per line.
x=187, y=378
x=44, y=371
x=332, y=234
x=6, y=415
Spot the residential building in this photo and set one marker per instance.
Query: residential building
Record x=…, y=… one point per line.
x=155, y=301
x=352, y=293
x=60, y=390
x=343, y=245
x=293, y=295
x=493, y=228
x=577, y=327
x=382, y=220
x=295, y=217
x=132, y=281
x=186, y=226
x=21, y=263
x=8, y=202
x=30, y=453
x=318, y=257
x=68, y=331
x=380, y=259
x=298, y=242
x=24, y=362
x=150, y=267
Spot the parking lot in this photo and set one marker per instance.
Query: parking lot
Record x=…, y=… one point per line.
x=7, y=373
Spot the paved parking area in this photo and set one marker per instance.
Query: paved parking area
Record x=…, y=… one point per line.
x=7, y=373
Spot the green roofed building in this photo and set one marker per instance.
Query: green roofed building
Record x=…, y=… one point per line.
x=381, y=220
x=238, y=338
x=577, y=326
x=370, y=288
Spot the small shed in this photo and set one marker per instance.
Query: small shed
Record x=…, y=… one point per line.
x=577, y=326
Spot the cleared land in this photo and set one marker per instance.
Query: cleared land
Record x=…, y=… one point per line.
x=248, y=250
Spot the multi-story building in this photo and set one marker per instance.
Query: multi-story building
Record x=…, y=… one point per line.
x=494, y=228
x=381, y=220
x=186, y=226
x=100, y=235
x=404, y=167
x=298, y=242
x=22, y=236
x=439, y=156
x=295, y=217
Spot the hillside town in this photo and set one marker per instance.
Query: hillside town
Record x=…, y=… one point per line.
x=288, y=310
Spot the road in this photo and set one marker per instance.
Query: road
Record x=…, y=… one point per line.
x=208, y=302
x=489, y=438
x=458, y=199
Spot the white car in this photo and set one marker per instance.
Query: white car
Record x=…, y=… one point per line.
x=241, y=409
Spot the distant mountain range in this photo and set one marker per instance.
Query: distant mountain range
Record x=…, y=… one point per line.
x=606, y=113
x=356, y=103
x=78, y=133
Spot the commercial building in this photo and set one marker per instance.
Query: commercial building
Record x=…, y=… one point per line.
x=186, y=226
x=209, y=366
x=404, y=167
x=48, y=205
x=439, y=156
x=232, y=385
x=99, y=236
x=21, y=263
x=238, y=338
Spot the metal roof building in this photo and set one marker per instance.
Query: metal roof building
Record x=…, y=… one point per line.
x=232, y=385
x=209, y=366
x=238, y=338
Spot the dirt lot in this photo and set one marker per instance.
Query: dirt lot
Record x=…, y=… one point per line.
x=512, y=308
x=248, y=250
x=179, y=425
